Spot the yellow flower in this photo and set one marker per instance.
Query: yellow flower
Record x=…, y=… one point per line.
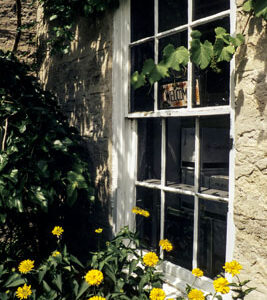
x=94, y=277
x=97, y=298
x=221, y=285
x=195, y=294
x=23, y=292
x=139, y=211
x=157, y=294
x=232, y=267
x=26, y=266
x=56, y=253
x=150, y=259
x=166, y=245
x=197, y=272
x=57, y=231
x=98, y=230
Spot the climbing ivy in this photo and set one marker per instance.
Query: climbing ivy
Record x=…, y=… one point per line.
x=202, y=54
x=256, y=7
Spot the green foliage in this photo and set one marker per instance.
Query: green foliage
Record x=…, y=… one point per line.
x=202, y=54
x=256, y=7
x=61, y=15
x=41, y=162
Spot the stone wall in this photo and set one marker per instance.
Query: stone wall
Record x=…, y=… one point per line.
x=8, y=27
x=251, y=155
x=82, y=81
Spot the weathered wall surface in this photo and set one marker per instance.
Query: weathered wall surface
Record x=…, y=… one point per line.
x=8, y=27
x=82, y=82
x=251, y=155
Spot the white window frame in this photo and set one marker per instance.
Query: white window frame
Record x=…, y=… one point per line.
x=124, y=137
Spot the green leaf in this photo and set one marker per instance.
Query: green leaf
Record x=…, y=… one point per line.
x=14, y=280
x=196, y=34
x=226, y=53
x=76, y=260
x=168, y=50
x=201, y=54
x=159, y=71
x=42, y=273
x=248, y=6
x=261, y=9
x=58, y=282
x=179, y=56
x=53, y=17
x=138, y=80
x=83, y=288
x=148, y=66
x=220, y=31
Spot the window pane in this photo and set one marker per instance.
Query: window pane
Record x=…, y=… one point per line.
x=180, y=152
x=173, y=90
x=212, y=88
x=142, y=99
x=215, y=146
x=148, y=228
x=172, y=13
x=212, y=237
x=142, y=19
x=179, y=219
x=149, y=150
x=204, y=8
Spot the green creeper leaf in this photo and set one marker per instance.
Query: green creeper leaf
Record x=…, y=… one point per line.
x=201, y=54
x=196, y=34
x=148, y=66
x=220, y=31
x=179, y=56
x=226, y=53
x=168, y=50
x=261, y=9
x=248, y=6
x=138, y=80
x=159, y=71
x=238, y=40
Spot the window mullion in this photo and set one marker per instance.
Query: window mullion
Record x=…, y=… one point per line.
x=189, y=65
x=163, y=179
x=196, y=187
x=156, y=49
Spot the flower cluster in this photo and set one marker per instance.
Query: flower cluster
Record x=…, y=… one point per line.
x=139, y=211
x=221, y=285
x=99, y=230
x=232, y=267
x=23, y=292
x=197, y=272
x=94, y=277
x=26, y=266
x=157, y=294
x=195, y=294
x=57, y=231
x=166, y=245
x=56, y=253
x=97, y=298
x=150, y=259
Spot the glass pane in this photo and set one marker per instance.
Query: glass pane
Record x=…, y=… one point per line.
x=215, y=146
x=142, y=19
x=204, y=8
x=142, y=99
x=179, y=220
x=149, y=150
x=148, y=228
x=212, y=237
x=172, y=13
x=180, y=152
x=173, y=90
x=211, y=87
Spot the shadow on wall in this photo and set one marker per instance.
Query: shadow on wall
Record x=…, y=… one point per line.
x=82, y=82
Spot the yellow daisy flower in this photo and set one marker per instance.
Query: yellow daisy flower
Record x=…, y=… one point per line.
x=157, y=294
x=98, y=230
x=139, y=211
x=23, y=292
x=57, y=231
x=150, y=259
x=56, y=253
x=221, y=285
x=232, y=267
x=26, y=266
x=94, y=277
x=97, y=298
x=197, y=272
x=166, y=245
x=195, y=294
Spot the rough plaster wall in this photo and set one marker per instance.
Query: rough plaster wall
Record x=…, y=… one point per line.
x=8, y=26
x=251, y=155
x=82, y=82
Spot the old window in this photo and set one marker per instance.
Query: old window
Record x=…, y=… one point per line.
x=179, y=139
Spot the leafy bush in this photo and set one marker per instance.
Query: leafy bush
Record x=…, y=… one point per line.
x=42, y=168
